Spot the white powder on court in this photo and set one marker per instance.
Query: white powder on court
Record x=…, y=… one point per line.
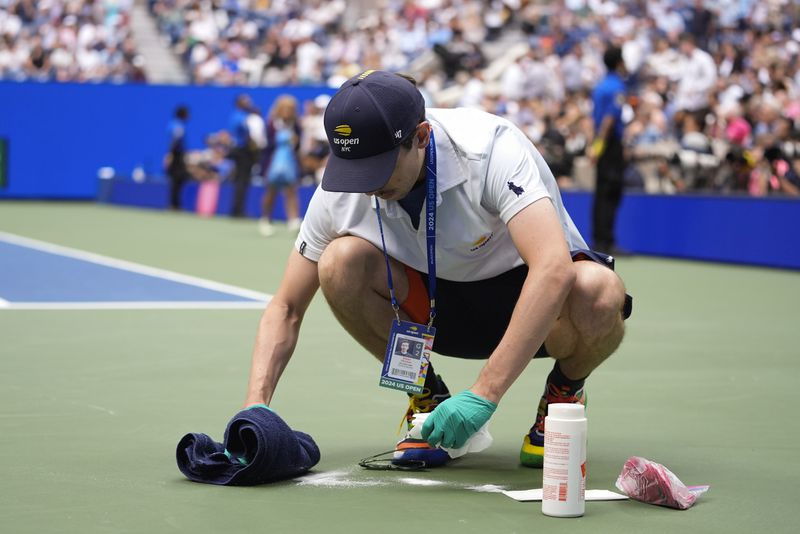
x=487, y=488
x=336, y=479
x=420, y=481
x=344, y=479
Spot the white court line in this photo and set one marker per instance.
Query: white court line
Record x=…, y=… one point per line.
x=135, y=305
x=132, y=267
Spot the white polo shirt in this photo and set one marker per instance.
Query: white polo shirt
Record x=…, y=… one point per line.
x=487, y=171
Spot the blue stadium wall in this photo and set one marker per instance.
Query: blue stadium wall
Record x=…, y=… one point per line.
x=725, y=229
x=60, y=135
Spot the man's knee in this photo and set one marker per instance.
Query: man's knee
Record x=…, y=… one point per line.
x=345, y=265
x=596, y=301
x=344, y=262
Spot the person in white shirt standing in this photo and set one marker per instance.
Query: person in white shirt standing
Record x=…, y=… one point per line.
x=698, y=77
x=447, y=220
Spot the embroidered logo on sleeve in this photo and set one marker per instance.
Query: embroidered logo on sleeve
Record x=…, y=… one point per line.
x=302, y=250
x=515, y=188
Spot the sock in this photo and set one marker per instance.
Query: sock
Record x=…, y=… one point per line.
x=566, y=386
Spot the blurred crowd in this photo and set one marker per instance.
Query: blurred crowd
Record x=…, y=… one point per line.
x=68, y=40
x=713, y=85
x=321, y=41
x=714, y=99
x=713, y=91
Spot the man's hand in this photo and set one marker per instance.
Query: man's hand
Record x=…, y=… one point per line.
x=452, y=423
x=596, y=149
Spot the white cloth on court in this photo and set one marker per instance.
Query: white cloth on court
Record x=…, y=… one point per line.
x=479, y=441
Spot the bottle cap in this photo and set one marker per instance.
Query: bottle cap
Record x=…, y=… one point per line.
x=567, y=411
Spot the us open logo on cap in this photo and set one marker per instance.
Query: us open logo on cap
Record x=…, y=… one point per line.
x=344, y=145
x=344, y=130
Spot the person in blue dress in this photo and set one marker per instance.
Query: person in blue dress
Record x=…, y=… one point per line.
x=281, y=164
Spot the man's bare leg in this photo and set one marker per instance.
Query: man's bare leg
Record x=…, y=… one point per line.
x=588, y=330
x=590, y=327
x=352, y=275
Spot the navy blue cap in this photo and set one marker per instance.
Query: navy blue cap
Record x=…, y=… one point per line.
x=365, y=121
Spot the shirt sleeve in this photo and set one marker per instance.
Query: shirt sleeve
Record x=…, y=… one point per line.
x=514, y=178
x=316, y=230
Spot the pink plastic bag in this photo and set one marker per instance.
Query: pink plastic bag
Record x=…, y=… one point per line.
x=653, y=483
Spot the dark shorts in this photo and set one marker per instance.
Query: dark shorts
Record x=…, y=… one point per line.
x=471, y=317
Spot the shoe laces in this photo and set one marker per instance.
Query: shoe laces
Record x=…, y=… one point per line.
x=425, y=402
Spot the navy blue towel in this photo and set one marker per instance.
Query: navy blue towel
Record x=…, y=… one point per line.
x=259, y=447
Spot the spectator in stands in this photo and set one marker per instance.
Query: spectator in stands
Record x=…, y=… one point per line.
x=314, y=146
x=282, y=164
x=786, y=140
x=696, y=157
x=698, y=76
x=552, y=146
x=665, y=60
x=280, y=57
x=309, y=57
x=211, y=163
x=37, y=65
x=693, y=137
x=459, y=55
x=701, y=23
x=782, y=176
x=574, y=70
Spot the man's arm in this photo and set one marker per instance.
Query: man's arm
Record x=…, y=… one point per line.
x=279, y=328
x=538, y=236
x=598, y=146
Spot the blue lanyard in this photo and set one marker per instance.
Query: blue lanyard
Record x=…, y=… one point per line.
x=430, y=233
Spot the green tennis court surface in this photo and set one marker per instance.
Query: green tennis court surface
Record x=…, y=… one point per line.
x=93, y=402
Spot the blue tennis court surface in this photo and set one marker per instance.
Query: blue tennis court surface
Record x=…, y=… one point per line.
x=34, y=274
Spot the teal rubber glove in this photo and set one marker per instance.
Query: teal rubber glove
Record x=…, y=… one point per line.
x=259, y=406
x=452, y=423
x=239, y=458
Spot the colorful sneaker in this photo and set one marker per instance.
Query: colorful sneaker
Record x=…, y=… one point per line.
x=532, y=452
x=415, y=449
